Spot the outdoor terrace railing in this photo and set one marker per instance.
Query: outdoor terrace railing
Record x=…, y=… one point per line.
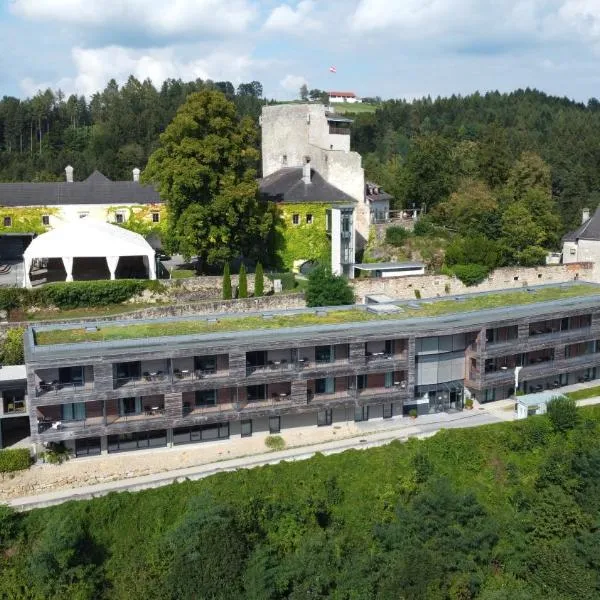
x=57, y=388
x=270, y=366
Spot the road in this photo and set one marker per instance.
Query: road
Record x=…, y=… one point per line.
x=403, y=429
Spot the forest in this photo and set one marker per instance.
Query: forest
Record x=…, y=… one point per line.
x=502, y=512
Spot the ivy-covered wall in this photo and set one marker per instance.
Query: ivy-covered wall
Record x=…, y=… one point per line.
x=138, y=218
x=25, y=219
x=305, y=241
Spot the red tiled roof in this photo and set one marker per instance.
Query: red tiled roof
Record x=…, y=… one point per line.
x=343, y=94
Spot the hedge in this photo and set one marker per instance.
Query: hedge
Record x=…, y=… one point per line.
x=14, y=460
x=288, y=280
x=75, y=294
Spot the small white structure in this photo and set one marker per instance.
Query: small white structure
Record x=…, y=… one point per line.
x=534, y=404
x=348, y=97
x=87, y=238
x=583, y=244
x=391, y=269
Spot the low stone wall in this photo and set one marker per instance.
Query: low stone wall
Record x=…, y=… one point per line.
x=208, y=287
x=432, y=286
x=277, y=302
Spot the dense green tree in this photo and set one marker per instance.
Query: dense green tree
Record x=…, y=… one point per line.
x=227, y=289
x=326, y=289
x=242, y=283
x=304, y=92
x=12, y=347
x=259, y=280
x=495, y=156
x=205, y=168
x=563, y=414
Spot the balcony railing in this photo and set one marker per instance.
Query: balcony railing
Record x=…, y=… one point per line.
x=51, y=426
x=381, y=356
x=61, y=388
x=270, y=366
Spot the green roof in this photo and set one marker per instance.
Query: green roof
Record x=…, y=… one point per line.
x=206, y=325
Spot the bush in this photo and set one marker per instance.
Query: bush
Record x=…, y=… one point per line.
x=14, y=460
x=424, y=226
x=563, y=413
x=56, y=453
x=11, y=298
x=412, y=413
x=242, y=283
x=396, y=236
x=326, y=289
x=227, y=295
x=474, y=250
x=82, y=294
x=288, y=280
x=275, y=442
x=418, y=294
x=11, y=352
x=259, y=281
x=471, y=274
x=469, y=403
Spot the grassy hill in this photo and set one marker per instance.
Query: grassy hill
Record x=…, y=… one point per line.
x=506, y=512
x=363, y=107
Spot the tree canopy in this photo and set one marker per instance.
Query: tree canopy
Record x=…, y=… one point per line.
x=205, y=168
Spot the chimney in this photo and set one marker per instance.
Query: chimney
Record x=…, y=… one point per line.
x=306, y=170
x=69, y=173
x=136, y=175
x=585, y=215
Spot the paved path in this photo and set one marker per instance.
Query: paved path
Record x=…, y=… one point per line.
x=403, y=429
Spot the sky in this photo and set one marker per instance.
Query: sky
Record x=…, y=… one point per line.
x=387, y=48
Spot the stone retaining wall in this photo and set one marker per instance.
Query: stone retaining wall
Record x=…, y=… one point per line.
x=208, y=287
x=431, y=286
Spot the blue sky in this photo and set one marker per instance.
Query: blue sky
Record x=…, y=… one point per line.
x=390, y=48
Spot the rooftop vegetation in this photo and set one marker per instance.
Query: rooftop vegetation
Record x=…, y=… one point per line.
x=424, y=308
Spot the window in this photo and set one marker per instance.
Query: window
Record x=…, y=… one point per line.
x=389, y=379
x=119, y=218
x=361, y=413
x=361, y=382
x=572, y=251
x=83, y=215
x=284, y=160
x=46, y=220
x=309, y=219
x=325, y=386
x=200, y=433
x=246, y=426
x=296, y=219
x=324, y=417
x=73, y=412
x=7, y=221
x=323, y=354
x=274, y=424
x=155, y=217
x=388, y=411
x=130, y=406
x=206, y=398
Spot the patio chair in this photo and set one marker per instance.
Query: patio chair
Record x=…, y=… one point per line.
x=146, y=376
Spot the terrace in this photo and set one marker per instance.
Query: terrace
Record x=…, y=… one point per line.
x=51, y=335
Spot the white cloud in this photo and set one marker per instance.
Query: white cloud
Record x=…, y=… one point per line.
x=96, y=66
x=292, y=83
x=156, y=17
x=284, y=19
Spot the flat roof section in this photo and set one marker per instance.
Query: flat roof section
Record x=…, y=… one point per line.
x=12, y=373
x=389, y=266
x=469, y=308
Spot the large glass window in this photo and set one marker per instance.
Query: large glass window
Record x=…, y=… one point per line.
x=87, y=446
x=73, y=412
x=206, y=398
x=361, y=413
x=324, y=354
x=246, y=427
x=134, y=441
x=388, y=410
x=324, y=417
x=325, y=386
x=130, y=406
x=200, y=433
x=206, y=364
x=274, y=424
x=256, y=393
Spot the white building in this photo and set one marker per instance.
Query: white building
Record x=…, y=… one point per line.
x=340, y=97
x=583, y=244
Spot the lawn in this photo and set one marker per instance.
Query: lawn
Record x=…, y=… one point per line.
x=363, y=107
x=91, y=311
x=182, y=273
x=425, y=309
x=583, y=394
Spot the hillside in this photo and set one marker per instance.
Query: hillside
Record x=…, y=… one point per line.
x=500, y=512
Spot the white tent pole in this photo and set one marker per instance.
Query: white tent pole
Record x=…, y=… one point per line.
x=152, y=266
x=68, y=263
x=26, y=269
x=112, y=262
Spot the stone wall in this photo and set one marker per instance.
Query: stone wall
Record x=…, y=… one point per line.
x=207, y=288
x=431, y=286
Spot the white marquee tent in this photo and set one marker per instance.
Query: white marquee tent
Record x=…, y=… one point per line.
x=90, y=239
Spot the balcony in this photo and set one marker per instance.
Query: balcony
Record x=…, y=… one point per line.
x=199, y=367
x=64, y=382
x=14, y=405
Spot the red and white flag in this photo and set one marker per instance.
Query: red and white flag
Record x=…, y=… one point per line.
x=332, y=70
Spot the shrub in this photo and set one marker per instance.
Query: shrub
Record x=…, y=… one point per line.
x=447, y=288
x=81, y=294
x=288, y=280
x=396, y=236
x=11, y=352
x=326, y=289
x=563, y=413
x=259, y=281
x=412, y=413
x=242, y=283
x=275, y=442
x=227, y=295
x=418, y=294
x=423, y=227
x=56, y=453
x=469, y=403
x=11, y=298
x=471, y=274
x=15, y=459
